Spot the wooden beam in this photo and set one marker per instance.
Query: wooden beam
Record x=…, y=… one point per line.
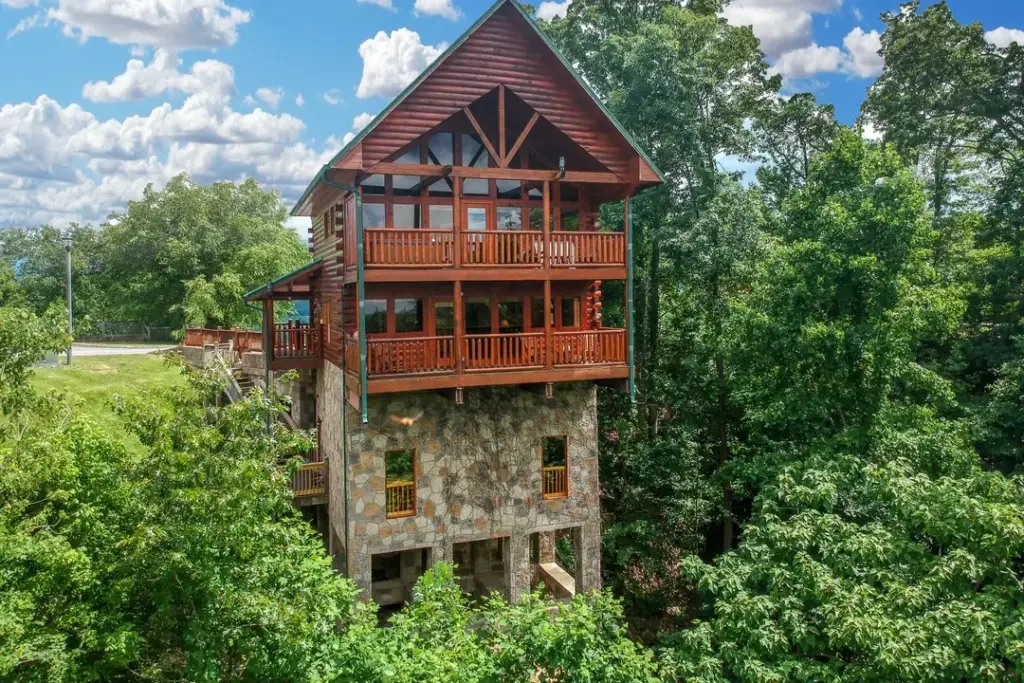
x=522, y=138
x=487, y=173
x=480, y=131
x=582, y=274
x=549, y=361
x=501, y=126
x=389, y=385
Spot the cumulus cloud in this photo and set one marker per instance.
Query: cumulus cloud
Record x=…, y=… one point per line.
x=270, y=96
x=552, y=10
x=299, y=100
x=440, y=8
x=332, y=96
x=860, y=57
x=870, y=132
x=171, y=24
x=161, y=75
x=1002, y=36
x=780, y=25
x=362, y=121
x=392, y=61
x=386, y=4
x=19, y=4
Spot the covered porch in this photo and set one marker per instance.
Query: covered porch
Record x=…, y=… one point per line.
x=293, y=344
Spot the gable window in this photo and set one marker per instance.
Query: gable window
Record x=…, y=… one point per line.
x=400, y=468
x=327, y=223
x=570, y=312
x=555, y=467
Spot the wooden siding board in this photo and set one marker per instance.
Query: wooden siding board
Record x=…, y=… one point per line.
x=502, y=51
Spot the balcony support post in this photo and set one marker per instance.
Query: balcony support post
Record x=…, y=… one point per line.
x=547, y=225
x=548, y=347
x=459, y=329
x=457, y=222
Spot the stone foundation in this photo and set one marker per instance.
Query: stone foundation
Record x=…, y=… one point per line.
x=478, y=474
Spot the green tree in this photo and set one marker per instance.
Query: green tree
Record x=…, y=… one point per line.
x=187, y=251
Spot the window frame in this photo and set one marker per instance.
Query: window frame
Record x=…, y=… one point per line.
x=415, y=491
x=561, y=494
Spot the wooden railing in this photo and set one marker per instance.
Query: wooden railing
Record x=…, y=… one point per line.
x=421, y=248
x=401, y=499
x=310, y=479
x=504, y=351
x=243, y=340
x=488, y=352
x=592, y=347
x=296, y=340
x=555, y=483
x=503, y=248
x=588, y=249
x=409, y=356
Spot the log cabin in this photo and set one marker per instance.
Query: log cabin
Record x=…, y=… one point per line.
x=457, y=330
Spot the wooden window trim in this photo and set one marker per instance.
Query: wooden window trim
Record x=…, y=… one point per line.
x=415, y=491
x=563, y=494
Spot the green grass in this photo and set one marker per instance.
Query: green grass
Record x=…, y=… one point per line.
x=93, y=382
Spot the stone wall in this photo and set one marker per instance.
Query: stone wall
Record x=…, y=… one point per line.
x=478, y=475
x=330, y=384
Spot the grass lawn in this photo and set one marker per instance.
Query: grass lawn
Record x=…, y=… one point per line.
x=93, y=382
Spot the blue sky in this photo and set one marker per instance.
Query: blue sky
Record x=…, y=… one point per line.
x=100, y=97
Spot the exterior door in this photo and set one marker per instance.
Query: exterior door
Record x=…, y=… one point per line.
x=477, y=219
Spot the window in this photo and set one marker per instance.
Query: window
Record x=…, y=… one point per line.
x=510, y=189
x=327, y=223
x=474, y=154
x=476, y=218
x=510, y=316
x=400, y=469
x=478, y=316
x=406, y=185
x=570, y=220
x=537, y=312
x=408, y=315
x=373, y=185
x=554, y=467
x=441, y=150
x=373, y=216
x=537, y=219
x=410, y=156
x=570, y=312
x=339, y=220
x=407, y=216
x=444, y=318
x=510, y=218
x=376, y=316
x=442, y=218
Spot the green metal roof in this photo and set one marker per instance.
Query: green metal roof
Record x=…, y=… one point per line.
x=437, y=62
x=308, y=268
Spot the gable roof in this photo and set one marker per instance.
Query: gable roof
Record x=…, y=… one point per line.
x=430, y=70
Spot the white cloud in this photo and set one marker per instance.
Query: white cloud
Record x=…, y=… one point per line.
x=362, y=121
x=862, y=48
x=1002, y=36
x=161, y=75
x=391, y=62
x=807, y=61
x=860, y=57
x=299, y=100
x=172, y=24
x=550, y=10
x=19, y=4
x=332, y=96
x=857, y=14
x=780, y=25
x=26, y=23
x=440, y=8
x=270, y=96
x=386, y=4
x=349, y=137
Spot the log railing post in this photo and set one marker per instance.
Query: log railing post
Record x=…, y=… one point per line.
x=459, y=330
x=548, y=350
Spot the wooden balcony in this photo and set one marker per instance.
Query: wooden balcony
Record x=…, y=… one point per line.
x=295, y=345
x=243, y=341
x=426, y=363
x=310, y=480
x=395, y=254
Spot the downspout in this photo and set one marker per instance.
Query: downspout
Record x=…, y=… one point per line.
x=362, y=350
x=268, y=349
x=629, y=299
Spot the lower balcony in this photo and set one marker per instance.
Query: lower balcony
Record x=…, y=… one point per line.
x=423, y=363
x=295, y=345
x=309, y=482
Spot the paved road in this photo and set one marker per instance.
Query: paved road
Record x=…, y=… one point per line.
x=97, y=350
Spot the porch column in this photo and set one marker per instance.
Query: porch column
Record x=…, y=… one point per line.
x=548, y=346
x=457, y=222
x=547, y=224
x=520, y=571
x=459, y=328
x=268, y=331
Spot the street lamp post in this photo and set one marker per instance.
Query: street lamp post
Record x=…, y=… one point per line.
x=67, y=240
